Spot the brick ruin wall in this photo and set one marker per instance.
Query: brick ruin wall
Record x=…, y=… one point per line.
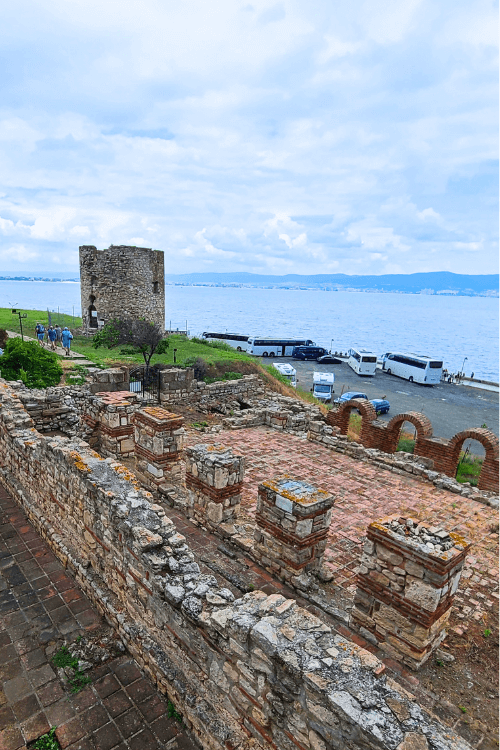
x=444, y=454
x=121, y=281
x=246, y=403
x=258, y=672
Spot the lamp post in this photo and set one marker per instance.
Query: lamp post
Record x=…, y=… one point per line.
x=463, y=363
x=21, y=316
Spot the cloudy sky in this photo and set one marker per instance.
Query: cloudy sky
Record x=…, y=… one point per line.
x=272, y=137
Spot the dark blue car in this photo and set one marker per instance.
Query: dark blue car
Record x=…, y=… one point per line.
x=381, y=405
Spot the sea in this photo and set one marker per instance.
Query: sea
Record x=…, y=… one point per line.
x=444, y=327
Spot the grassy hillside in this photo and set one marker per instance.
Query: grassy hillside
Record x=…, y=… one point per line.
x=186, y=349
x=11, y=322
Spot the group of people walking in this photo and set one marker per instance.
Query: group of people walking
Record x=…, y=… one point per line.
x=54, y=335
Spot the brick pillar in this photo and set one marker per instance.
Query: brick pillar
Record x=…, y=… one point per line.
x=158, y=443
x=406, y=584
x=214, y=478
x=114, y=423
x=293, y=519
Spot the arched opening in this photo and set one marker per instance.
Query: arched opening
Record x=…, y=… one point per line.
x=407, y=438
x=93, y=323
x=352, y=417
x=156, y=287
x=471, y=457
x=405, y=430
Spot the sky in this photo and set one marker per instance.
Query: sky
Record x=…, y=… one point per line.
x=270, y=137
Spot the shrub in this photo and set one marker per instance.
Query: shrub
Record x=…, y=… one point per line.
x=29, y=362
x=200, y=368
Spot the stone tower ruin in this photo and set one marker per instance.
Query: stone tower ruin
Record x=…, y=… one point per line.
x=121, y=282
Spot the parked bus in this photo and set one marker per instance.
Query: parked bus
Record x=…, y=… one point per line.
x=289, y=372
x=362, y=361
x=275, y=347
x=413, y=367
x=236, y=340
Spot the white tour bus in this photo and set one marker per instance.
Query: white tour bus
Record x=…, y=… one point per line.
x=289, y=372
x=275, y=347
x=413, y=367
x=236, y=340
x=362, y=361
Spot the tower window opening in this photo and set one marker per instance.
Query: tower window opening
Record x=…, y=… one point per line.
x=156, y=287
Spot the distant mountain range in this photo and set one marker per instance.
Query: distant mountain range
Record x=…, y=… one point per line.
x=436, y=282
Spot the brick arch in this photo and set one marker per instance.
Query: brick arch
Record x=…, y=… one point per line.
x=488, y=479
x=421, y=423
x=340, y=417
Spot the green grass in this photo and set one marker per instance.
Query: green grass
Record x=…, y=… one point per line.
x=187, y=351
x=172, y=713
x=11, y=322
x=226, y=376
x=77, y=375
x=47, y=741
x=63, y=659
x=406, y=445
x=469, y=468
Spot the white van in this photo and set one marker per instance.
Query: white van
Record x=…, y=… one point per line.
x=323, y=385
x=288, y=371
x=362, y=361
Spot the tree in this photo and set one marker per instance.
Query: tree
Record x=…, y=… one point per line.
x=143, y=337
x=26, y=361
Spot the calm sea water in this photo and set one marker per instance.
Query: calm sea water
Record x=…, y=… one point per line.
x=448, y=328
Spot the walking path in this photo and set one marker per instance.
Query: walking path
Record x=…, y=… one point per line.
x=82, y=360
x=40, y=608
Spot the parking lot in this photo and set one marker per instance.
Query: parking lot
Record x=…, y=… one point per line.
x=450, y=407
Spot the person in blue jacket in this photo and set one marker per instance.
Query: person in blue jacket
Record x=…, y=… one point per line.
x=52, y=336
x=66, y=337
x=40, y=333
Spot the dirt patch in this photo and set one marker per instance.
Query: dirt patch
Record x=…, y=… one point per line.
x=467, y=688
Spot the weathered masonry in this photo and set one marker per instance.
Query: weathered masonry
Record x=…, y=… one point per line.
x=255, y=673
x=121, y=281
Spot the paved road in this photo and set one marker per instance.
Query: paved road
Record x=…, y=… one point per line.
x=451, y=408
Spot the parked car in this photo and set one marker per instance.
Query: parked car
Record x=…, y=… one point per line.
x=381, y=405
x=349, y=396
x=308, y=352
x=329, y=359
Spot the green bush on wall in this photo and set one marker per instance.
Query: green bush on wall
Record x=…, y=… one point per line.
x=29, y=362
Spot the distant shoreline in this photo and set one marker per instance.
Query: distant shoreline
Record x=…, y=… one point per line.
x=493, y=293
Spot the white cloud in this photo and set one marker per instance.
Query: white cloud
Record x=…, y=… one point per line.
x=18, y=253
x=272, y=135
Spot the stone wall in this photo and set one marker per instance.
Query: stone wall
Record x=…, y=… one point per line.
x=259, y=672
x=121, y=281
x=54, y=409
x=178, y=386
x=112, y=379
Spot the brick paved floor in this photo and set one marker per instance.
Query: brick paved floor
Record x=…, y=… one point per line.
x=41, y=607
x=364, y=493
